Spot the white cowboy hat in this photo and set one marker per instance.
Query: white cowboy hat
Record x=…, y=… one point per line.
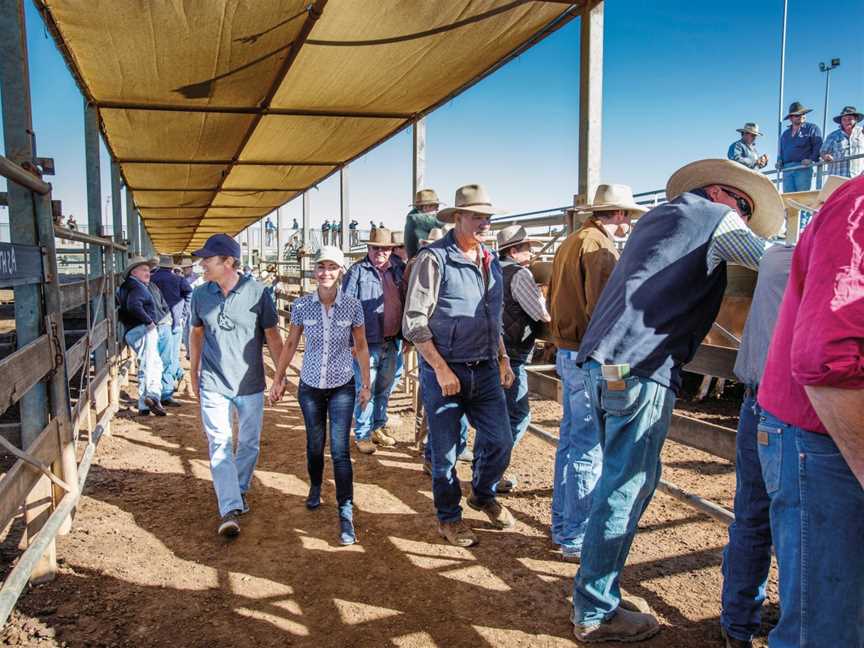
x=381, y=237
x=611, y=197
x=513, y=235
x=435, y=234
x=750, y=127
x=330, y=253
x=398, y=238
x=426, y=197
x=471, y=198
x=769, y=212
x=831, y=184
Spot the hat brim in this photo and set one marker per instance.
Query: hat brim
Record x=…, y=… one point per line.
x=633, y=210
x=135, y=265
x=752, y=132
x=510, y=244
x=423, y=203
x=384, y=245
x=448, y=215
x=797, y=113
x=858, y=116
x=769, y=211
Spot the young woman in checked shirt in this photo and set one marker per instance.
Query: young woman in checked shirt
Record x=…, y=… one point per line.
x=329, y=320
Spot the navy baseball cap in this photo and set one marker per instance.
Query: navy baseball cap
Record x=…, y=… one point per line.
x=219, y=245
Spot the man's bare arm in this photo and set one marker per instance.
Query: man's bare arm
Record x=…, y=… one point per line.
x=842, y=413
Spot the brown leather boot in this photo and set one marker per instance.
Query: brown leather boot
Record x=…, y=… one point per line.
x=624, y=627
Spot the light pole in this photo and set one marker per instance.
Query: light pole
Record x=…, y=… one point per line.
x=826, y=68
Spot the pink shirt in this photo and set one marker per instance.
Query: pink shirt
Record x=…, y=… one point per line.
x=819, y=338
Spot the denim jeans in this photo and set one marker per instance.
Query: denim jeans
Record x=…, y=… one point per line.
x=400, y=368
x=481, y=399
x=747, y=557
x=518, y=407
x=800, y=180
x=578, y=459
x=176, y=368
x=145, y=344
x=166, y=348
x=232, y=472
x=632, y=422
x=818, y=527
x=337, y=404
x=382, y=369
x=463, y=440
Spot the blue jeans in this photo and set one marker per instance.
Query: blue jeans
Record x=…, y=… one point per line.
x=481, y=399
x=337, y=404
x=400, y=368
x=382, y=369
x=747, y=557
x=176, y=368
x=818, y=528
x=632, y=422
x=578, y=459
x=232, y=472
x=166, y=348
x=460, y=448
x=518, y=407
x=145, y=344
x=800, y=180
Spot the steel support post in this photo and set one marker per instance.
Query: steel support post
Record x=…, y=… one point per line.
x=29, y=313
x=117, y=263
x=344, y=210
x=307, y=243
x=94, y=217
x=131, y=224
x=590, y=100
x=418, y=177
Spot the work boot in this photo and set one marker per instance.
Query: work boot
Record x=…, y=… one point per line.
x=313, y=501
x=499, y=516
x=506, y=485
x=624, y=627
x=457, y=534
x=230, y=527
x=466, y=456
x=366, y=446
x=383, y=439
x=170, y=402
x=732, y=642
x=155, y=406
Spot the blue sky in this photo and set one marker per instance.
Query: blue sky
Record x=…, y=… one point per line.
x=679, y=77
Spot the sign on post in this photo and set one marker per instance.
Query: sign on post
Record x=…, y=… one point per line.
x=20, y=265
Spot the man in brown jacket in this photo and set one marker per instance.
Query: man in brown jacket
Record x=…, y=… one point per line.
x=580, y=270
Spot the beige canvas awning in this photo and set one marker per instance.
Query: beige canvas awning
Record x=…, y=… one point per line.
x=219, y=111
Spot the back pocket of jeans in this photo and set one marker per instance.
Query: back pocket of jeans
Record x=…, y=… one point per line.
x=770, y=446
x=620, y=397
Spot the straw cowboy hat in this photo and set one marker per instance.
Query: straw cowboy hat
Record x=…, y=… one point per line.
x=768, y=208
x=330, y=253
x=136, y=261
x=848, y=110
x=166, y=261
x=426, y=197
x=435, y=234
x=513, y=235
x=471, y=198
x=187, y=262
x=831, y=184
x=611, y=197
x=381, y=237
x=750, y=127
x=398, y=239
x=797, y=108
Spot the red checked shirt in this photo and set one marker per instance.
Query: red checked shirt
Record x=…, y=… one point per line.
x=819, y=338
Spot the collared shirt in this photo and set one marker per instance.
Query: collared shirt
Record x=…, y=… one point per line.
x=743, y=153
x=735, y=243
x=232, y=359
x=803, y=145
x=819, y=337
x=163, y=313
x=840, y=145
x=526, y=293
x=327, y=360
x=363, y=282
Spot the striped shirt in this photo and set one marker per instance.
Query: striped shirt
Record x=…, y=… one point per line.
x=840, y=145
x=734, y=242
x=528, y=295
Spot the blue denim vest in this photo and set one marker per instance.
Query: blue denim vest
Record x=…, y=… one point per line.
x=466, y=322
x=363, y=282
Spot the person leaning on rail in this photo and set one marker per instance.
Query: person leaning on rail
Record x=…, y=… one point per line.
x=744, y=150
x=166, y=337
x=329, y=320
x=658, y=305
x=523, y=313
x=800, y=145
x=177, y=293
x=580, y=271
x=232, y=316
x=453, y=318
x=846, y=141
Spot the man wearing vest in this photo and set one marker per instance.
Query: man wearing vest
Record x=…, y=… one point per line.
x=656, y=308
x=163, y=329
x=580, y=271
x=420, y=220
x=453, y=317
x=523, y=313
x=178, y=294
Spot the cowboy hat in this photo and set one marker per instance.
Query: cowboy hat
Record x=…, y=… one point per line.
x=612, y=197
x=435, y=234
x=330, y=253
x=750, y=127
x=848, y=110
x=470, y=198
x=187, y=262
x=398, y=239
x=768, y=208
x=426, y=197
x=166, y=261
x=153, y=262
x=136, y=261
x=513, y=235
x=381, y=237
x=829, y=186
x=797, y=108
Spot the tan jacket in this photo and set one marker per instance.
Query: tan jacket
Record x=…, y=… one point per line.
x=580, y=270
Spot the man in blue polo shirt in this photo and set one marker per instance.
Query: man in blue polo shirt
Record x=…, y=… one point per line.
x=232, y=316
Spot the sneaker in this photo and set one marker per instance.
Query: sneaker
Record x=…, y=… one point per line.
x=171, y=403
x=155, y=406
x=499, y=516
x=624, y=627
x=732, y=642
x=427, y=467
x=230, y=527
x=347, y=536
x=466, y=457
x=506, y=485
x=246, y=507
x=313, y=501
x=366, y=446
x=457, y=534
x=381, y=437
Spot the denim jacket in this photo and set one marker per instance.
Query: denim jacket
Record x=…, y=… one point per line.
x=363, y=282
x=743, y=153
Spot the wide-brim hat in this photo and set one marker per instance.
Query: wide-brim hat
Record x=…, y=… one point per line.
x=750, y=127
x=849, y=110
x=513, y=235
x=471, y=198
x=330, y=253
x=187, y=262
x=797, y=108
x=769, y=212
x=398, y=238
x=612, y=197
x=435, y=234
x=166, y=261
x=831, y=184
x=136, y=261
x=381, y=237
x=426, y=197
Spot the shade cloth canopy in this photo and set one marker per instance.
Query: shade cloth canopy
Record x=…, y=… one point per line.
x=219, y=111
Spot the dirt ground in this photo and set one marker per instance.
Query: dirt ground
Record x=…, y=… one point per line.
x=143, y=565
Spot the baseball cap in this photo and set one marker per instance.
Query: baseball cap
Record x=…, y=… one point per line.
x=330, y=253
x=219, y=245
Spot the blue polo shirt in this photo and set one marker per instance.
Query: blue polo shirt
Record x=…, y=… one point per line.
x=232, y=360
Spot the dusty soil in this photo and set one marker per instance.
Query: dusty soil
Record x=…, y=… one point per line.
x=144, y=567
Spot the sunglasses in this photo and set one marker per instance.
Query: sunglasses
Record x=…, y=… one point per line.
x=742, y=203
x=225, y=322
x=376, y=248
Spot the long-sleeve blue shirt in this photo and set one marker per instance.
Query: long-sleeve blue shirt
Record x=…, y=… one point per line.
x=804, y=145
x=176, y=291
x=137, y=305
